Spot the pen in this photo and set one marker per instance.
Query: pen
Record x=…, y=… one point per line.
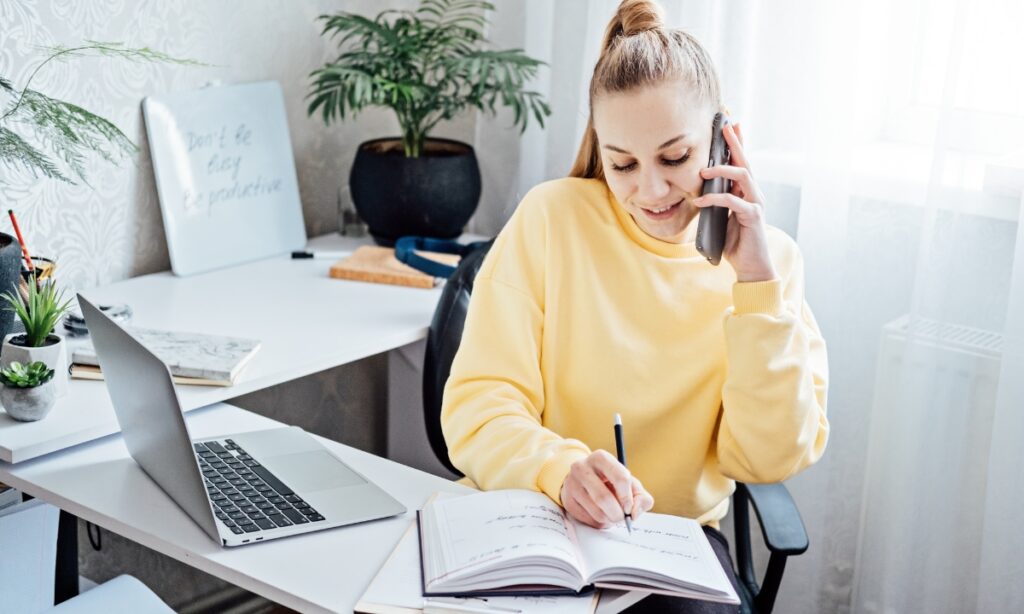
x=302, y=255
x=437, y=606
x=620, y=450
x=24, y=250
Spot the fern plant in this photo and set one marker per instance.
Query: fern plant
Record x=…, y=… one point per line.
x=39, y=309
x=50, y=137
x=426, y=65
x=18, y=375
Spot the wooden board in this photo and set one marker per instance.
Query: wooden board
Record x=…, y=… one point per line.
x=379, y=265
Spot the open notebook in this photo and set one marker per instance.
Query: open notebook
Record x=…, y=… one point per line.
x=520, y=542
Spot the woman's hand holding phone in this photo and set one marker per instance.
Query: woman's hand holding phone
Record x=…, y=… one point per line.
x=746, y=243
x=598, y=489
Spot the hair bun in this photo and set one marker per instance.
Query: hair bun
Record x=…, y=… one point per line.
x=638, y=16
x=633, y=17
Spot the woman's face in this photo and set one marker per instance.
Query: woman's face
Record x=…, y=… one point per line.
x=653, y=142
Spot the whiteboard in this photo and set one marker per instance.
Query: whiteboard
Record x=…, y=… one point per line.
x=225, y=175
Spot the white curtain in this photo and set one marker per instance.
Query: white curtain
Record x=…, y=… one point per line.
x=889, y=140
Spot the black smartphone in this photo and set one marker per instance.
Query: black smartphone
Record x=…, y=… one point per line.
x=713, y=221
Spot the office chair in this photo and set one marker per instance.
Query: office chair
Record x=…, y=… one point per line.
x=781, y=525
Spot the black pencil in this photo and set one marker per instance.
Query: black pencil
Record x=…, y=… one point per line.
x=620, y=450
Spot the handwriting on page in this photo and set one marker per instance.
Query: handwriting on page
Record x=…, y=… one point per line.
x=526, y=522
x=533, y=516
x=659, y=543
x=653, y=540
x=504, y=525
x=219, y=155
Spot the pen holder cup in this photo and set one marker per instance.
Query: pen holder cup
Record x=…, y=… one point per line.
x=44, y=268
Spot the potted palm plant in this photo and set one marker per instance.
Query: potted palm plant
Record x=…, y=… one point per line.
x=40, y=307
x=427, y=66
x=27, y=393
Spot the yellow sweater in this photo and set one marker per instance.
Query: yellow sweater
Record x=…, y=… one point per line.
x=577, y=314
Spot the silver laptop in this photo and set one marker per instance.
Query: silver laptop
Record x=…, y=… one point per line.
x=242, y=488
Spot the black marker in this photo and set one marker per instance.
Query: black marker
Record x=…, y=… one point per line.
x=302, y=255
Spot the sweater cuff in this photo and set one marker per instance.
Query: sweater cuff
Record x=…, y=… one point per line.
x=553, y=473
x=757, y=297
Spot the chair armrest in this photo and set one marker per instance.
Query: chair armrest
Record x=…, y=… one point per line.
x=783, y=532
x=781, y=524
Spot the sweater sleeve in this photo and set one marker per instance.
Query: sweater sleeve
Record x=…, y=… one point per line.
x=493, y=404
x=773, y=421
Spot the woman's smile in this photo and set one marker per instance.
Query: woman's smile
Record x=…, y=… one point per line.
x=658, y=214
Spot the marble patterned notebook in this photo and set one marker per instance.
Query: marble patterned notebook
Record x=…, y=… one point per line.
x=188, y=355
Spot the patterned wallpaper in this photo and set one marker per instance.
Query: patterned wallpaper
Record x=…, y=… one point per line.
x=112, y=229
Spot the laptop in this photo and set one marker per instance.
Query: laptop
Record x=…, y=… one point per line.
x=240, y=489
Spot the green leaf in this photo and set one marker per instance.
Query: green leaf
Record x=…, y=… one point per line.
x=40, y=310
x=18, y=375
x=426, y=65
x=16, y=152
x=36, y=129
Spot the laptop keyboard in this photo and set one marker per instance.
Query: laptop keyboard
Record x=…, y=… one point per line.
x=247, y=497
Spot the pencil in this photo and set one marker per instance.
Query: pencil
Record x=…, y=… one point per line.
x=21, y=239
x=620, y=450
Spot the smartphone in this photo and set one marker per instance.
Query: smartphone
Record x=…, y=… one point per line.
x=713, y=221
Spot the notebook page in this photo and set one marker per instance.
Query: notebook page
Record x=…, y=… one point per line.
x=661, y=546
x=496, y=527
x=397, y=590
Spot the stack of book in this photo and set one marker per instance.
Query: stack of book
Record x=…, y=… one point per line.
x=193, y=358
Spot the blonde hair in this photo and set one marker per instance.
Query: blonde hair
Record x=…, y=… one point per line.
x=638, y=50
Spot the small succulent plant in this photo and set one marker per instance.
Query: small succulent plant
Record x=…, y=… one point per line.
x=18, y=375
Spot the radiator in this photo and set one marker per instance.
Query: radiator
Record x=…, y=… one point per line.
x=919, y=538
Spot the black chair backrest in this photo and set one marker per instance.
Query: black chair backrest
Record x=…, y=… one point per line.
x=442, y=343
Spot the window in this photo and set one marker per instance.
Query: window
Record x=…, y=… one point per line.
x=973, y=45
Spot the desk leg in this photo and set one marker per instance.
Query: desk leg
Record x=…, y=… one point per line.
x=66, y=577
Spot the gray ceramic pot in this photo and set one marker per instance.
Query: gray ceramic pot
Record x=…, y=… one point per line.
x=28, y=404
x=53, y=354
x=10, y=264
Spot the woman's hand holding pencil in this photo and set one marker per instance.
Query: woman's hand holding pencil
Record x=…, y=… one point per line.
x=599, y=491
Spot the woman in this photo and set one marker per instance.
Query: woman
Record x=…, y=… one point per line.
x=594, y=301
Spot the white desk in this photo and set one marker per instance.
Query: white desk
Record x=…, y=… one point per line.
x=325, y=571
x=307, y=322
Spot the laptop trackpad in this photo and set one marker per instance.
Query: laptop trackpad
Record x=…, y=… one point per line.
x=309, y=471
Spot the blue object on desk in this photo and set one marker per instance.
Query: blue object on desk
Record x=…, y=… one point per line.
x=406, y=248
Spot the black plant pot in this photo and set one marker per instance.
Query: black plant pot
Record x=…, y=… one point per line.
x=433, y=195
x=10, y=272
